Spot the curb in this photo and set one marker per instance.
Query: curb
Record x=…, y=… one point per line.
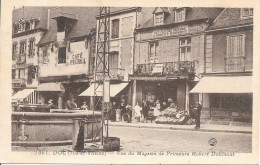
x=182, y=129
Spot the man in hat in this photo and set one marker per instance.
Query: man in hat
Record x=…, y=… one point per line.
x=197, y=112
x=70, y=104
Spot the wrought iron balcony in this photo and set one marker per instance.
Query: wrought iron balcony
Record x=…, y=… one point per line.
x=17, y=83
x=235, y=64
x=20, y=58
x=171, y=69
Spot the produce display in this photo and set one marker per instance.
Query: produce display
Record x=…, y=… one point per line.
x=173, y=116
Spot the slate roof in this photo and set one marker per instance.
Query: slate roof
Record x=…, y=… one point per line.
x=195, y=13
x=230, y=17
x=86, y=22
x=27, y=13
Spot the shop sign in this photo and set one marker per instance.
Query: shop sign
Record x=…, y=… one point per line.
x=77, y=59
x=180, y=30
x=158, y=68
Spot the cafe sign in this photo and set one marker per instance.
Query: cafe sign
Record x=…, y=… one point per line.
x=174, y=31
x=77, y=59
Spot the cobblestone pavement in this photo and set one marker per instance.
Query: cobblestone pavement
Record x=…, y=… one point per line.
x=149, y=140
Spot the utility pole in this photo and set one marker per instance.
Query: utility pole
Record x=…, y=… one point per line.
x=101, y=72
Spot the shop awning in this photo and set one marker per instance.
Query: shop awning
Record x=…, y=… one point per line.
x=114, y=90
x=224, y=84
x=22, y=94
x=54, y=87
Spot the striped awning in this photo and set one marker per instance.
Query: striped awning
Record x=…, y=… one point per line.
x=22, y=94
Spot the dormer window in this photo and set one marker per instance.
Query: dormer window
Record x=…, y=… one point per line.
x=65, y=22
x=247, y=12
x=180, y=15
x=159, y=15
x=60, y=25
x=24, y=25
x=159, y=18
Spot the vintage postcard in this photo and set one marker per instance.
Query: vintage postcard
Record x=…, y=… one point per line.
x=119, y=82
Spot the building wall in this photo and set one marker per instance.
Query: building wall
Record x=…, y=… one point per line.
x=124, y=44
x=33, y=60
x=77, y=60
x=170, y=51
x=215, y=57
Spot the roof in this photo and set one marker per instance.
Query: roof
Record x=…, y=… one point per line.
x=83, y=26
x=195, y=13
x=119, y=10
x=230, y=17
x=40, y=13
x=164, y=9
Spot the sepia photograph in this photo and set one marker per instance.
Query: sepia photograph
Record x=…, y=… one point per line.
x=172, y=82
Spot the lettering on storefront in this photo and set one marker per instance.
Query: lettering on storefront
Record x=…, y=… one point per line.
x=180, y=30
x=170, y=32
x=77, y=59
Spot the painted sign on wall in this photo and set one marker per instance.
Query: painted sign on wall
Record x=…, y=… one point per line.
x=77, y=59
x=170, y=32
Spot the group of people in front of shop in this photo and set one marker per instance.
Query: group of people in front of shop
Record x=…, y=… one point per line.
x=70, y=104
x=142, y=113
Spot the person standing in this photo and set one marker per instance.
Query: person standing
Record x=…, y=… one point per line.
x=145, y=109
x=197, y=112
x=70, y=104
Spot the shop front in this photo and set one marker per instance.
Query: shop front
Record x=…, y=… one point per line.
x=152, y=91
x=227, y=97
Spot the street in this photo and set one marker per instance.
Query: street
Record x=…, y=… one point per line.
x=150, y=140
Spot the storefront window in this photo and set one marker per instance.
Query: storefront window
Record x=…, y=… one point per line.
x=115, y=28
x=215, y=101
x=185, y=49
x=231, y=101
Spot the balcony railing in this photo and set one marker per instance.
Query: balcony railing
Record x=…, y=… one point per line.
x=174, y=69
x=235, y=64
x=17, y=83
x=116, y=73
x=20, y=58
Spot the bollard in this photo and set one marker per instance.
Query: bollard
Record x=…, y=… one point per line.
x=78, y=134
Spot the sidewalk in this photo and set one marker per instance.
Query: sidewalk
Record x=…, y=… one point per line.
x=203, y=127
